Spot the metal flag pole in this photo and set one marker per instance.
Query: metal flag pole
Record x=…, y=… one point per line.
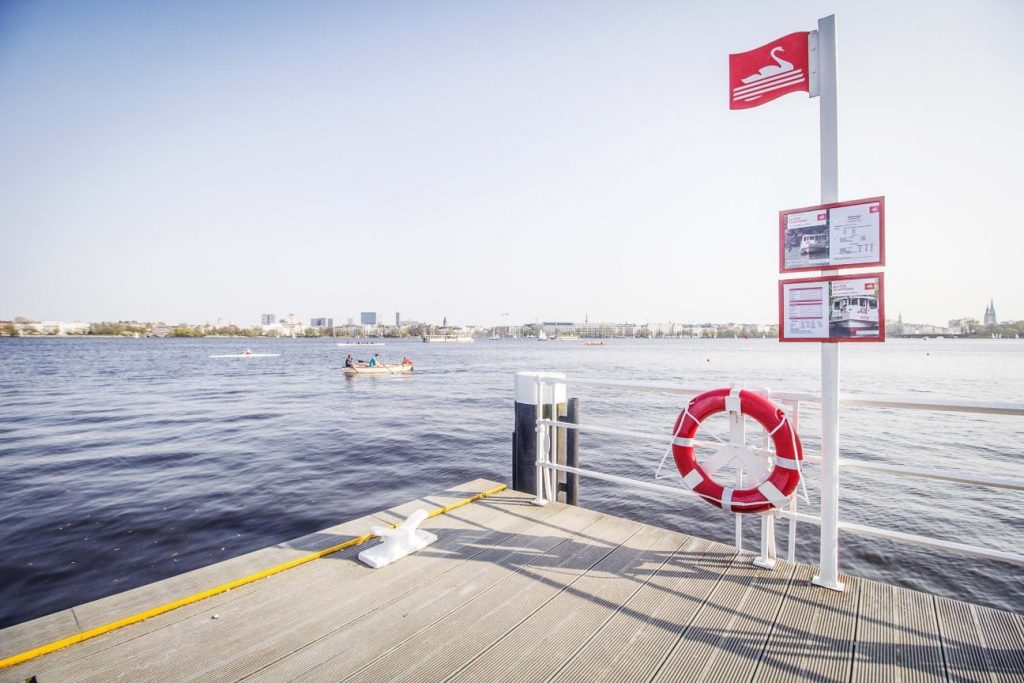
x=828, y=572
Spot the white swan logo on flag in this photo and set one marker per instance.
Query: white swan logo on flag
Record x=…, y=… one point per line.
x=770, y=71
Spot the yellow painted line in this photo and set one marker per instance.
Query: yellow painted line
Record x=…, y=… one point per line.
x=223, y=588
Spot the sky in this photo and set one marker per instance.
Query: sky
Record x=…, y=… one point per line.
x=489, y=161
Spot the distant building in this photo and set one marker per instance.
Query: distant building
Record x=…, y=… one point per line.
x=291, y=326
x=990, y=314
x=321, y=322
x=555, y=328
x=963, y=326
x=368, y=318
x=268, y=319
x=398, y=319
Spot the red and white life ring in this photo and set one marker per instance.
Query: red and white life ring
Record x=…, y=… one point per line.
x=784, y=477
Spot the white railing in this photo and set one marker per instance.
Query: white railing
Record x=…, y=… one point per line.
x=547, y=467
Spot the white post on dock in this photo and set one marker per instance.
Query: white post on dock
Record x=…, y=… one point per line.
x=828, y=572
x=538, y=395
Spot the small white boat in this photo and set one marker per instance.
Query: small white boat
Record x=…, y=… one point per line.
x=380, y=369
x=360, y=343
x=246, y=354
x=461, y=338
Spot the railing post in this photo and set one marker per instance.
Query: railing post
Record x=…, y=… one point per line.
x=737, y=439
x=766, y=559
x=541, y=451
x=791, y=541
x=532, y=391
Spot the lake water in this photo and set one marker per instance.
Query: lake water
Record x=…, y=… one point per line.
x=123, y=462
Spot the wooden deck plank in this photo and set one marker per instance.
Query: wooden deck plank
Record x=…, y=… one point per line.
x=497, y=589
x=634, y=642
x=814, y=633
x=897, y=637
x=725, y=640
x=32, y=634
x=1003, y=634
x=566, y=622
x=65, y=660
x=967, y=656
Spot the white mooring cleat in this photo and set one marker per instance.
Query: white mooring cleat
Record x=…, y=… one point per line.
x=397, y=542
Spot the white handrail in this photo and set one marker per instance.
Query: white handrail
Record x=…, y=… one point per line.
x=992, y=482
x=545, y=462
x=646, y=436
x=939, y=475
x=990, y=407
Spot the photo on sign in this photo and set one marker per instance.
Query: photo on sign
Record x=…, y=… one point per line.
x=853, y=308
x=806, y=240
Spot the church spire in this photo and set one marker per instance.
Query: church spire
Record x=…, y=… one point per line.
x=990, y=313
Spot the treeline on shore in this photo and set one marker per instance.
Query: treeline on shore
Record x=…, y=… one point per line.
x=128, y=329
x=1011, y=329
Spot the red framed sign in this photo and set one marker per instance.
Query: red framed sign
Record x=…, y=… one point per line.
x=841, y=235
x=838, y=308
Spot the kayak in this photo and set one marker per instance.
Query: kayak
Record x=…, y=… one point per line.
x=382, y=369
x=246, y=355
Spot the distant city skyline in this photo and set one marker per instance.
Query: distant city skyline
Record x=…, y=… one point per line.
x=988, y=317
x=490, y=161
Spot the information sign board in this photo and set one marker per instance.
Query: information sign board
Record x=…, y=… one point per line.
x=840, y=235
x=839, y=308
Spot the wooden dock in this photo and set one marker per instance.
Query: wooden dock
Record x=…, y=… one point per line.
x=516, y=592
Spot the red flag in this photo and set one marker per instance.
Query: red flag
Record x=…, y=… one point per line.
x=768, y=72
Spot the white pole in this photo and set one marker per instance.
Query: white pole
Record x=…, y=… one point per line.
x=541, y=474
x=828, y=572
x=767, y=557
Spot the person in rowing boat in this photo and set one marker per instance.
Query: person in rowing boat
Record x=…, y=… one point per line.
x=374, y=361
x=350, y=362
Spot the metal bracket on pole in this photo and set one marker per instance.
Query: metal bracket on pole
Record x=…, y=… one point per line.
x=813, y=89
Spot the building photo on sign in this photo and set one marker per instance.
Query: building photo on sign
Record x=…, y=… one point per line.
x=837, y=308
x=833, y=235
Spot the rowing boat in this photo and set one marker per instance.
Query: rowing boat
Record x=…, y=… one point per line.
x=381, y=369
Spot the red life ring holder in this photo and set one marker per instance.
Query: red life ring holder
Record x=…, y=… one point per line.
x=774, y=491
